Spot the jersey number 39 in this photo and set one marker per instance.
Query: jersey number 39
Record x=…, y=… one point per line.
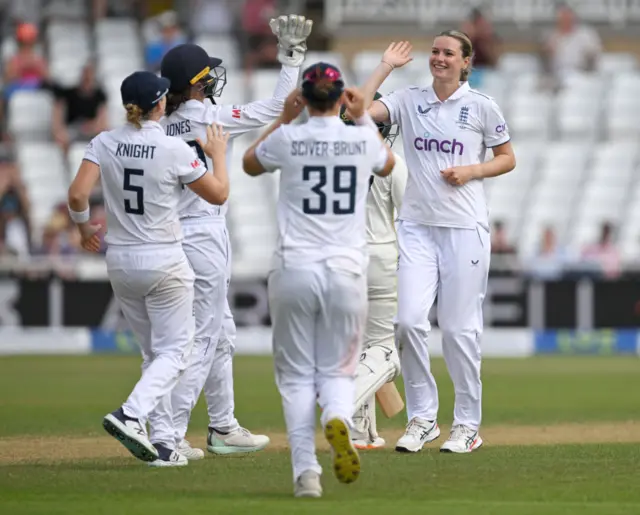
x=133, y=207
x=318, y=205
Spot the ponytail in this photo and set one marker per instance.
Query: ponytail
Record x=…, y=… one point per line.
x=135, y=116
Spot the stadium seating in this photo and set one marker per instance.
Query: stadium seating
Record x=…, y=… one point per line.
x=577, y=151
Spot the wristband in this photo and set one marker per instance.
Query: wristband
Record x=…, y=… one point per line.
x=388, y=64
x=79, y=217
x=366, y=119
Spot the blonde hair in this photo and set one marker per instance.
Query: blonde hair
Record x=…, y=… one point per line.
x=135, y=116
x=466, y=47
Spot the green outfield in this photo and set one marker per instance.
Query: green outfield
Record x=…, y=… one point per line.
x=562, y=436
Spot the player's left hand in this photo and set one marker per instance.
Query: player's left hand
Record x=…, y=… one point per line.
x=398, y=54
x=460, y=175
x=89, y=239
x=292, y=32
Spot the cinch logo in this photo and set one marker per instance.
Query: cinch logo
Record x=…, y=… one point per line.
x=501, y=128
x=433, y=145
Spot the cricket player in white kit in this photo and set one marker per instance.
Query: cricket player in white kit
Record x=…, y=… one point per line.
x=196, y=78
x=379, y=361
x=142, y=172
x=443, y=234
x=317, y=287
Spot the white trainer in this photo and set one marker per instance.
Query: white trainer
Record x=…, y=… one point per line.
x=237, y=441
x=462, y=439
x=191, y=453
x=419, y=431
x=168, y=457
x=364, y=435
x=308, y=485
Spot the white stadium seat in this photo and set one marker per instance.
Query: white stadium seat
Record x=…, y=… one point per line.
x=30, y=114
x=224, y=47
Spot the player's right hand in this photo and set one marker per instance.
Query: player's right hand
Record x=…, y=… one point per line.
x=293, y=106
x=354, y=100
x=216, y=141
x=89, y=239
x=398, y=54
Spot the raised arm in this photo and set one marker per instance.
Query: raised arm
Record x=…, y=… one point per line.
x=292, y=32
x=251, y=163
x=395, y=56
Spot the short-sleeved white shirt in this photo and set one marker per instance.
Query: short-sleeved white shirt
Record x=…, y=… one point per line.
x=142, y=172
x=325, y=167
x=439, y=135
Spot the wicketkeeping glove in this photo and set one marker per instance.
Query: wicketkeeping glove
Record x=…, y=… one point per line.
x=292, y=32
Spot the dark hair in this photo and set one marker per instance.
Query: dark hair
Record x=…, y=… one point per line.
x=466, y=47
x=321, y=96
x=174, y=100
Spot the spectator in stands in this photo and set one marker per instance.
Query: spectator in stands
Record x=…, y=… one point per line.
x=59, y=237
x=604, y=253
x=499, y=240
x=571, y=46
x=170, y=36
x=212, y=16
x=80, y=112
x=14, y=212
x=485, y=45
x=26, y=69
x=550, y=261
x=260, y=45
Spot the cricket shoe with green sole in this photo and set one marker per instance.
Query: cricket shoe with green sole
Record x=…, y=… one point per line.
x=239, y=440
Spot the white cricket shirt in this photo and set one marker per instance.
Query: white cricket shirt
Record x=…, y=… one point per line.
x=191, y=119
x=142, y=174
x=384, y=202
x=325, y=168
x=439, y=135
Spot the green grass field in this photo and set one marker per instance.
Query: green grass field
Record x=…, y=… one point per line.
x=562, y=436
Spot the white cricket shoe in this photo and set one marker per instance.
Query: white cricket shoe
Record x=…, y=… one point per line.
x=308, y=485
x=462, y=439
x=191, y=453
x=346, y=462
x=168, y=457
x=364, y=435
x=237, y=441
x=419, y=431
x=130, y=433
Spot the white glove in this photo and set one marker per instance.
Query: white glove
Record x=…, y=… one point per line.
x=292, y=32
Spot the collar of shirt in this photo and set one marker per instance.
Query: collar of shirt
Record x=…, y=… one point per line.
x=432, y=98
x=325, y=121
x=151, y=125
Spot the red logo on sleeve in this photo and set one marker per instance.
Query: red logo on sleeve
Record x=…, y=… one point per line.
x=236, y=113
x=195, y=164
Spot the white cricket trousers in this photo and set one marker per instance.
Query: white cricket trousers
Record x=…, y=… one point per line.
x=318, y=316
x=218, y=387
x=382, y=293
x=205, y=246
x=452, y=264
x=154, y=286
x=383, y=298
